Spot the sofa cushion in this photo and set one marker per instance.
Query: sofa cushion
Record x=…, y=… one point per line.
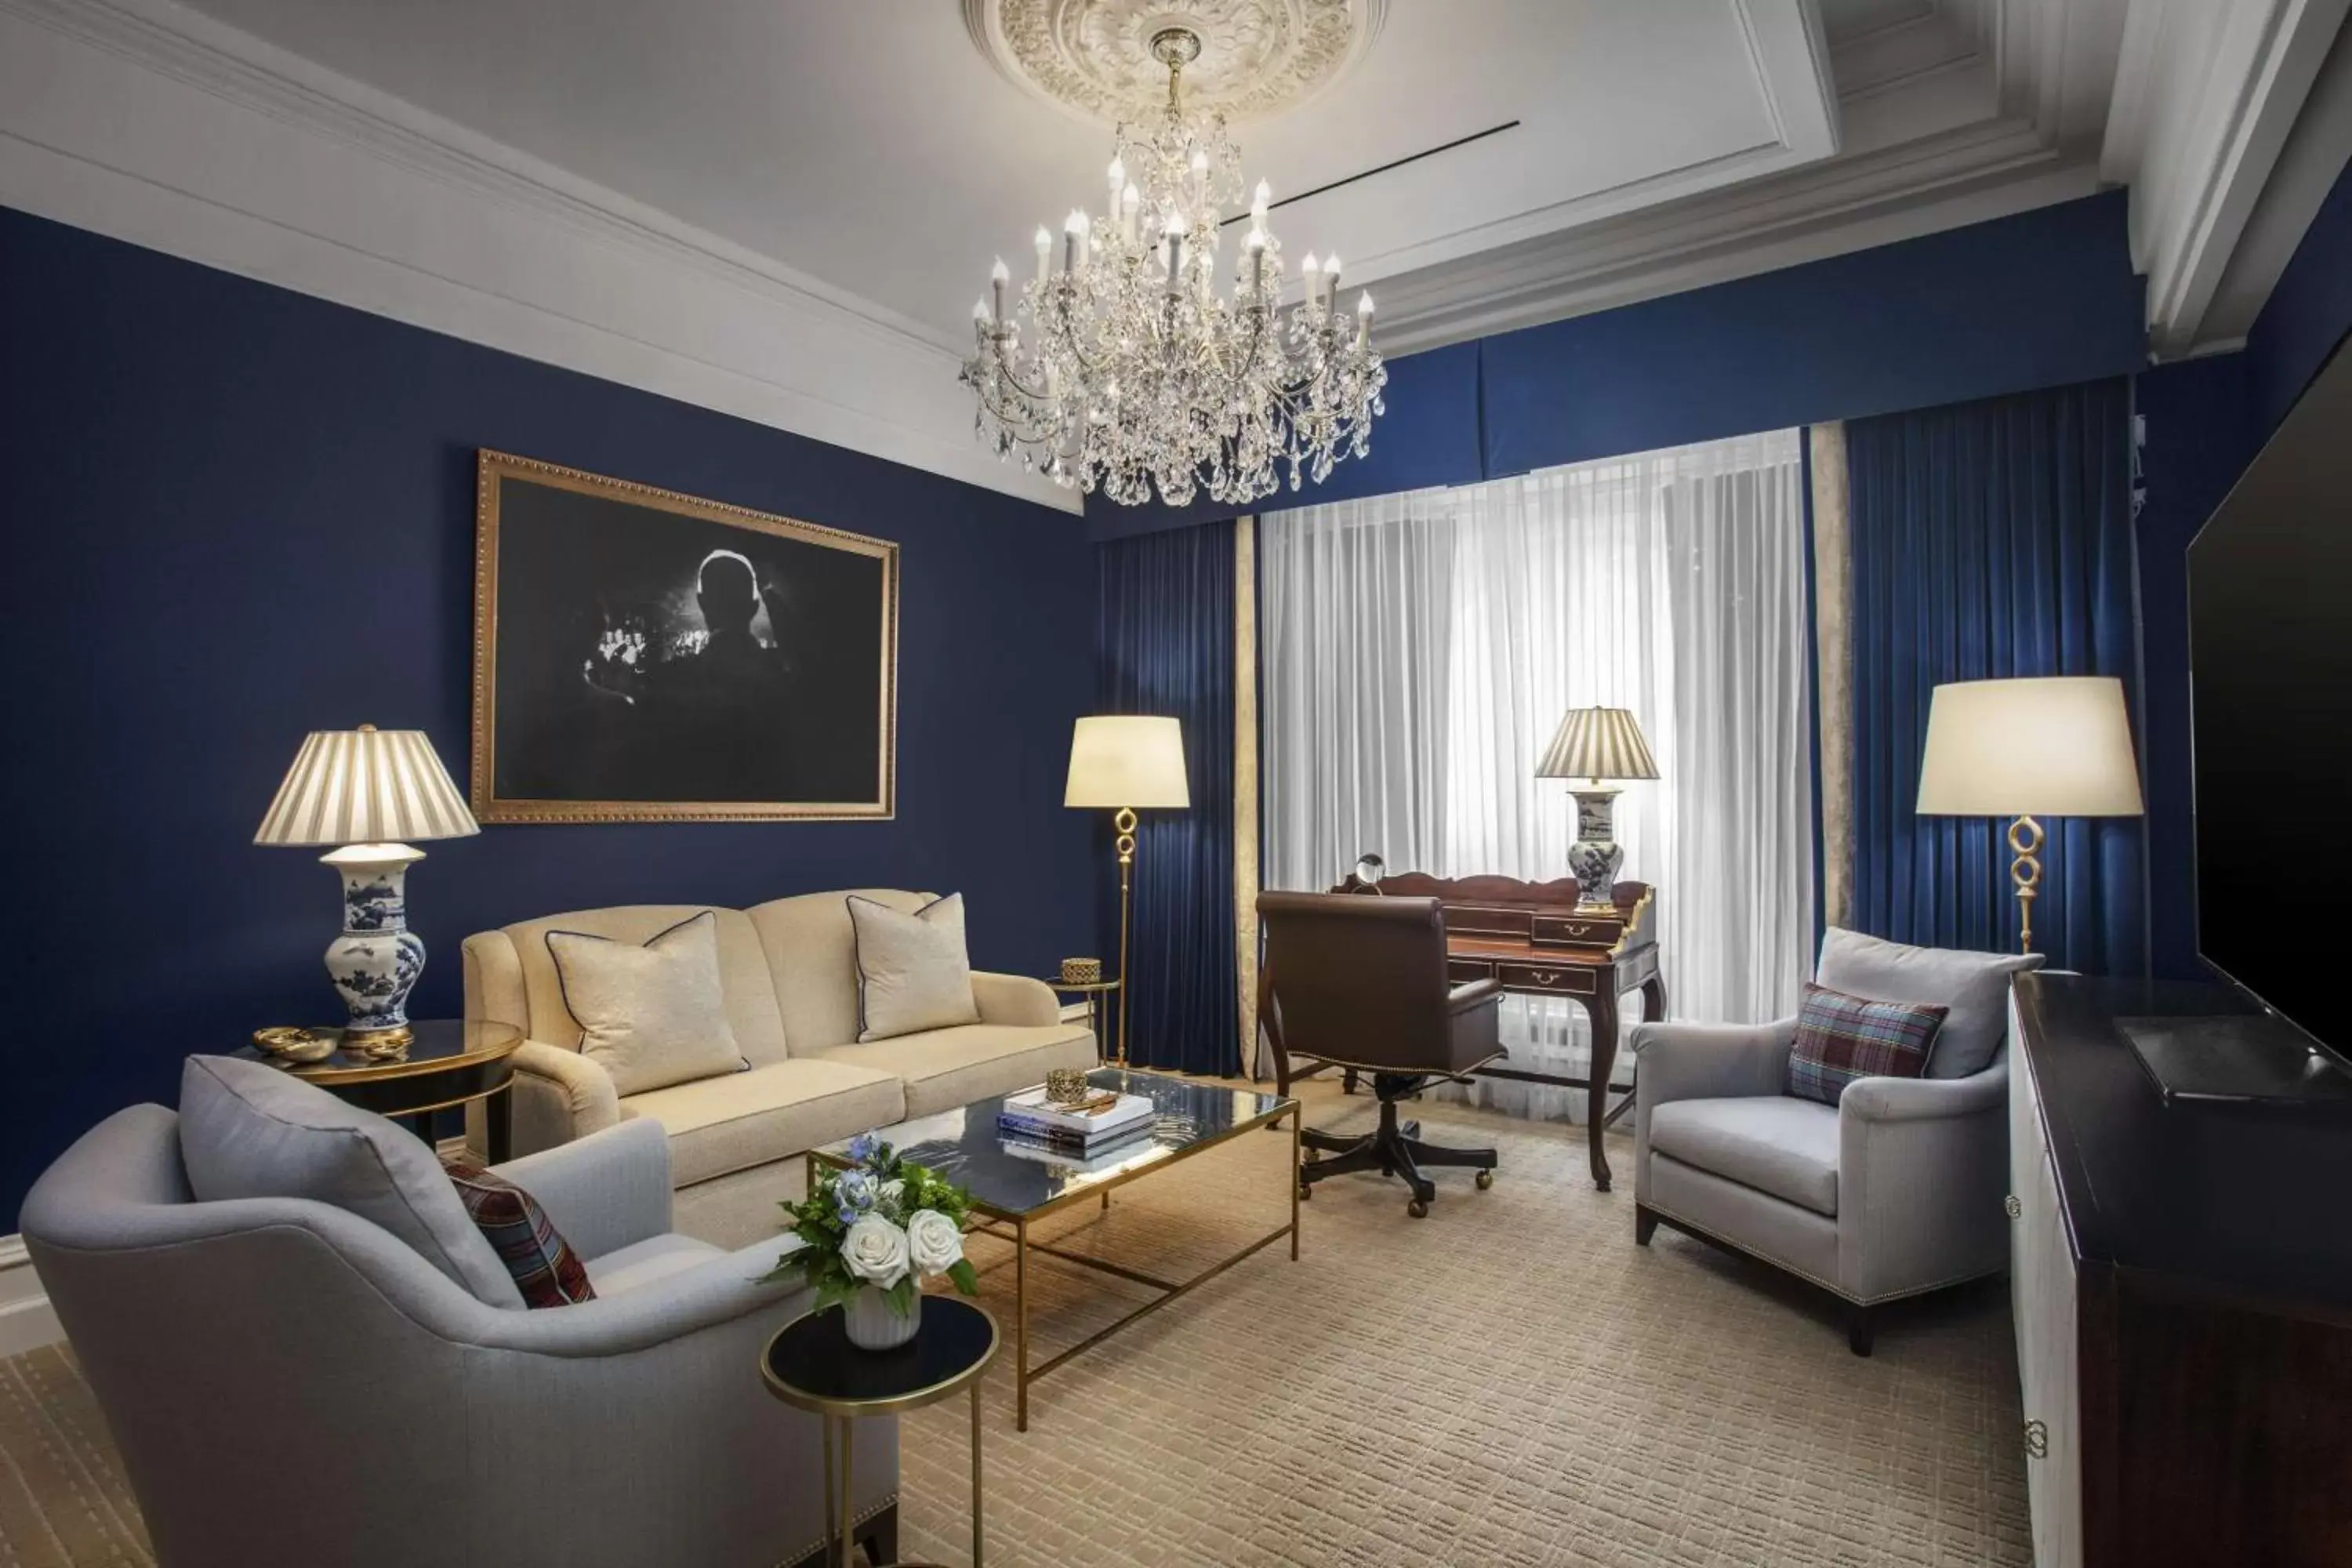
x=1974, y=985
x=944, y=1069
x=1787, y=1148
x=912, y=971
x=536, y=1258
x=742, y=968
x=1840, y=1038
x=251, y=1131
x=720, y=1125
x=812, y=955
x=639, y=1263
x=651, y=1014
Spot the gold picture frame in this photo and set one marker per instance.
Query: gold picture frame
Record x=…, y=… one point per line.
x=500, y=796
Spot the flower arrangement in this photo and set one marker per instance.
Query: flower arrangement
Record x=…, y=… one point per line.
x=884, y=1224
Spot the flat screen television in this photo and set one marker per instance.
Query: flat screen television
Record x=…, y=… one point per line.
x=2270, y=653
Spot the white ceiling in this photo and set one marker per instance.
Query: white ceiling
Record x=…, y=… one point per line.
x=873, y=146
x=783, y=209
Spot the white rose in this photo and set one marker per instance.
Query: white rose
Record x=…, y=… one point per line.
x=876, y=1250
x=934, y=1242
x=892, y=1191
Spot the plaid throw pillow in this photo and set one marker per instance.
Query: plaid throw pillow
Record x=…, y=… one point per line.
x=1840, y=1038
x=545, y=1269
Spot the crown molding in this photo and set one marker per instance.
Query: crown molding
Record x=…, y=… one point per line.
x=2207, y=97
x=150, y=122
x=1971, y=113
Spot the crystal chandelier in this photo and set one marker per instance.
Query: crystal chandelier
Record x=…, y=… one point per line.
x=1127, y=367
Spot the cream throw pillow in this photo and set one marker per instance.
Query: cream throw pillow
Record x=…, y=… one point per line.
x=912, y=971
x=651, y=1015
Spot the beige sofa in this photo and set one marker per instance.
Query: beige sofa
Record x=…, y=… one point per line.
x=790, y=970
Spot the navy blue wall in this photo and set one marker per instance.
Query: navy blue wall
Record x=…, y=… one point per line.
x=2040, y=298
x=235, y=514
x=2206, y=420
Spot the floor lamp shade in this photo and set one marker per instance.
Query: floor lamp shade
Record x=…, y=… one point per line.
x=2034, y=746
x=1127, y=760
x=365, y=791
x=1121, y=762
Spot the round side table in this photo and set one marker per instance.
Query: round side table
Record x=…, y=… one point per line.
x=449, y=1062
x=1100, y=996
x=811, y=1365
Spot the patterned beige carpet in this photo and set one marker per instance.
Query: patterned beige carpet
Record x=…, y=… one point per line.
x=1508, y=1382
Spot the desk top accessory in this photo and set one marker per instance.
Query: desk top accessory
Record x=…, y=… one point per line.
x=2038, y=746
x=365, y=791
x=1603, y=747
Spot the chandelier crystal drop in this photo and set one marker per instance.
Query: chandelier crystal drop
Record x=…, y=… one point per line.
x=1120, y=364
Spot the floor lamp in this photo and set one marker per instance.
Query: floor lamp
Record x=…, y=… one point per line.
x=1126, y=763
x=2048, y=746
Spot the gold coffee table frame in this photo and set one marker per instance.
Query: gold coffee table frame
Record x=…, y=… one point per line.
x=1023, y=1374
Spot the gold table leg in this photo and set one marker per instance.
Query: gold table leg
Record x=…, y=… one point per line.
x=832, y=1548
x=848, y=1496
x=975, y=1474
x=1298, y=1115
x=1021, y=1325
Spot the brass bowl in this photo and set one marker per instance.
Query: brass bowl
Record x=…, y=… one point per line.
x=290, y=1044
x=1067, y=1085
x=1082, y=972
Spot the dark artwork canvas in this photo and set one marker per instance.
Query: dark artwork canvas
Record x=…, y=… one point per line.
x=646, y=656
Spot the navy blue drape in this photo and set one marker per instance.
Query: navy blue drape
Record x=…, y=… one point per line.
x=1989, y=538
x=1164, y=644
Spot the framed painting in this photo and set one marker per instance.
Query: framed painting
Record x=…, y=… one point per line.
x=641, y=656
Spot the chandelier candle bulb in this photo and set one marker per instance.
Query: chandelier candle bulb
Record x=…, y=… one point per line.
x=1331, y=284
x=1310, y=272
x=1045, y=253
x=1363, y=320
x=1262, y=198
x=1130, y=208
x=998, y=277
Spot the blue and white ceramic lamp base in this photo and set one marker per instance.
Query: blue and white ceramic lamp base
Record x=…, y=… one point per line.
x=375, y=963
x=1595, y=856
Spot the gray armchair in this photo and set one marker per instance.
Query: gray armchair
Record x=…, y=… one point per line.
x=288, y=1382
x=1894, y=1191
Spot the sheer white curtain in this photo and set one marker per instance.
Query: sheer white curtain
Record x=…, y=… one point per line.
x=1419, y=650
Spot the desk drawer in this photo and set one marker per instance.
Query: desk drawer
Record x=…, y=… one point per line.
x=1459, y=971
x=1568, y=979
x=1579, y=930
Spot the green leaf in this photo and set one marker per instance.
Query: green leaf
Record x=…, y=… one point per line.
x=963, y=1276
x=901, y=1296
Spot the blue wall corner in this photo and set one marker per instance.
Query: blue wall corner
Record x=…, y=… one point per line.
x=238, y=513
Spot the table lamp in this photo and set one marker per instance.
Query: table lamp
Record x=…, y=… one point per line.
x=1124, y=762
x=1603, y=746
x=2043, y=746
x=365, y=790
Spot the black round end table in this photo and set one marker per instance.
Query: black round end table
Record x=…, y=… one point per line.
x=448, y=1061
x=811, y=1365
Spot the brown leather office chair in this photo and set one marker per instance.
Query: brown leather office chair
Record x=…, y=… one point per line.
x=1360, y=983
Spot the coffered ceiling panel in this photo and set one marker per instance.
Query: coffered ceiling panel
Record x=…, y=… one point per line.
x=878, y=148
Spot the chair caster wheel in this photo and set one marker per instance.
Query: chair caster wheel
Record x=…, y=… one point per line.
x=1486, y=1180
x=1418, y=1209
x=1304, y=1191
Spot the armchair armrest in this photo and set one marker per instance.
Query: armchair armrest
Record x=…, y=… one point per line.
x=1922, y=1165
x=605, y=1190
x=1014, y=999
x=1473, y=994
x=1711, y=1061
x=707, y=1296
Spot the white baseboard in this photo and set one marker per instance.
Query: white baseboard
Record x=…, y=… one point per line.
x=28, y=1321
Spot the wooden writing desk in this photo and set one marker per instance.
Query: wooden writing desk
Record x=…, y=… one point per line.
x=1529, y=937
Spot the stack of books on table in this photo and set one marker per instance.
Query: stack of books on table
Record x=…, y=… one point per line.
x=1107, y=1123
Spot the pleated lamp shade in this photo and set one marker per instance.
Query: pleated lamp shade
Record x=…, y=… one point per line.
x=1127, y=760
x=1598, y=744
x=365, y=786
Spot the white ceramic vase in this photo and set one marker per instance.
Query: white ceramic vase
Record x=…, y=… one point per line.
x=871, y=1323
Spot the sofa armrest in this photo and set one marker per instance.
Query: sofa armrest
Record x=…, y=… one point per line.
x=604, y=1192
x=1922, y=1165
x=1014, y=999
x=558, y=1096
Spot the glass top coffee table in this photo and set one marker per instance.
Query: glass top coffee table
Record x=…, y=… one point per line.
x=1014, y=1188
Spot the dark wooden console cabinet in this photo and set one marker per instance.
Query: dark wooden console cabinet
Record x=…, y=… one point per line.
x=2183, y=1286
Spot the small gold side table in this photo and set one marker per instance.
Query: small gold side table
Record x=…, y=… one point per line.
x=1098, y=994
x=810, y=1364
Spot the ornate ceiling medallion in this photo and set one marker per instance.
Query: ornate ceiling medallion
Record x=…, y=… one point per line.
x=1257, y=56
